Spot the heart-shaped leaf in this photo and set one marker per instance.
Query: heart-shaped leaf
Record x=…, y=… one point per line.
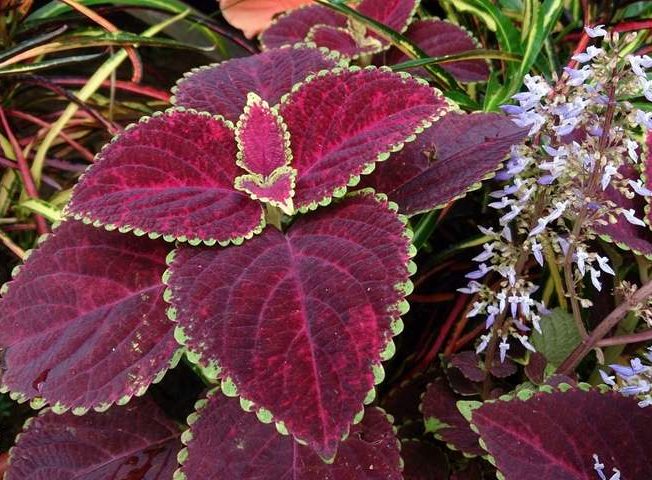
x=443, y=419
x=293, y=26
x=225, y=442
x=223, y=88
x=555, y=435
x=447, y=160
x=623, y=233
x=132, y=442
x=300, y=321
x=343, y=121
x=171, y=175
x=83, y=325
x=438, y=38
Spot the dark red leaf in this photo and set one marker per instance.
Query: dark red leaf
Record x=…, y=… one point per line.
x=222, y=89
x=262, y=137
x=470, y=365
x=438, y=38
x=549, y=436
x=293, y=26
x=446, y=160
x=333, y=142
x=396, y=14
x=446, y=422
x=135, y=442
x=536, y=368
x=173, y=176
x=84, y=322
x=624, y=234
x=423, y=461
x=224, y=442
x=297, y=320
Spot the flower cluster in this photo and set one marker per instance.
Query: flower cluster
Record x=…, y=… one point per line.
x=583, y=145
x=633, y=380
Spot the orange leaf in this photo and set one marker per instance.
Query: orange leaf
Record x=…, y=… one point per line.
x=254, y=16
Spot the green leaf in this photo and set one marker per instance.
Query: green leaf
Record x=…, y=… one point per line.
x=57, y=8
x=559, y=338
x=467, y=55
x=43, y=208
x=57, y=62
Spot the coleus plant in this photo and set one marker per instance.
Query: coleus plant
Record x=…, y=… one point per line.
x=292, y=309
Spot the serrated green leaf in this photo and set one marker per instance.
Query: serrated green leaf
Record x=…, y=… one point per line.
x=559, y=338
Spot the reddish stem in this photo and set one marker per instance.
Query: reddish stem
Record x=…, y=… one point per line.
x=41, y=123
x=23, y=168
x=454, y=314
x=468, y=338
x=120, y=85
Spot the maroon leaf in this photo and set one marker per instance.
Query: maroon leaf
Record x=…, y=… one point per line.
x=84, y=322
x=442, y=418
x=135, y=442
x=333, y=142
x=329, y=29
x=396, y=14
x=470, y=365
x=293, y=26
x=446, y=161
x=225, y=442
x=423, y=461
x=262, y=137
x=222, y=89
x=536, y=368
x=623, y=233
x=549, y=436
x=277, y=189
x=438, y=38
x=172, y=175
x=297, y=320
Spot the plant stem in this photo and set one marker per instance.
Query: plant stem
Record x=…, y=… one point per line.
x=641, y=295
x=626, y=339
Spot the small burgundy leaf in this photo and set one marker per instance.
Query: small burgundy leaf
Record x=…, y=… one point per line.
x=173, y=176
x=470, y=365
x=222, y=89
x=277, y=189
x=341, y=40
x=262, y=137
x=536, y=368
x=442, y=418
x=423, y=461
x=555, y=435
x=224, y=442
x=293, y=26
x=344, y=121
x=297, y=320
x=446, y=161
x=438, y=38
x=623, y=233
x=134, y=442
x=84, y=322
